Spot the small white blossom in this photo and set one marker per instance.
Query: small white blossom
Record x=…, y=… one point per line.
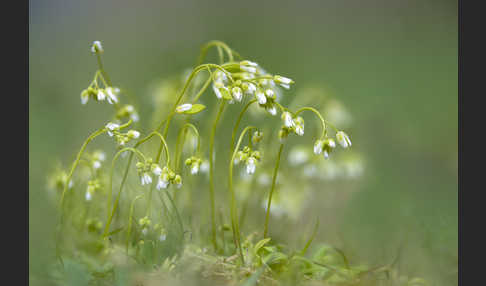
x=326, y=154
x=84, y=97
x=318, y=147
x=287, y=118
x=111, y=95
x=163, y=182
x=343, y=139
x=262, y=99
x=272, y=110
x=100, y=95
x=183, y=107
x=96, y=47
x=283, y=81
x=88, y=196
x=96, y=165
x=299, y=126
x=194, y=169
x=145, y=179
x=237, y=94
x=156, y=170
x=250, y=165
x=112, y=127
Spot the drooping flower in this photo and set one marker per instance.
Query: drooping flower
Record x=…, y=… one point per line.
x=343, y=139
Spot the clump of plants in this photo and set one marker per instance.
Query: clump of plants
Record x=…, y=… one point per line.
x=149, y=204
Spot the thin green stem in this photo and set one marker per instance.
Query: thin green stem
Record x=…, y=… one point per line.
x=219, y=44
x=130, y=218
x=178, y=216
x=180, y=145
x=115, y=205
x=237, y=124
x=100, y=65
x=274, y=179
x=233, y=209
x=211, y=173
x=323, y=122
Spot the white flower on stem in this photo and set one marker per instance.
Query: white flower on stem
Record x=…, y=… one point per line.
x=84, y=97
x=163, y=182
x=248, y=66
x=343, y=139
x=112, y=127
x=283, y=81
x=270, y=94
x=262, y=99
x=216, y=86
x=299, y=126
x=145, y=179
x=272, y=110
x=111, y=95
x=287, y=118
x=96, y=48
x=100, y=95
x=183, y=107
x=318, y=147
x=133, y=134
x=251, y=88
x=250, y=165
x=237, y=93
x=194, y=168
x=156, y=169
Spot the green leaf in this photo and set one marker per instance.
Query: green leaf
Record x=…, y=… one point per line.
x=260, y=244
x=196, y=108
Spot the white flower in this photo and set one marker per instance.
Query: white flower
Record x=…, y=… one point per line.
x=96, y=47
x=84, y=97
x=299, y=126
x=205, y=166
x=111, y=127
x=248, y=66
x=194, y=168
x=134, y=117
x=88, y=196
x=163, y=182
x=287, y=118
x=183, y=107
x=331, y=143
x=250, y=165
x=145, y=179
x=251, y=88
x=283, y=81
x=270, y=93
x=133, y=134
x=156, y=170
x=237, y=94
x=216, y=86
x=111, y=93
x=100, y=95
x=96, y=164
x=326, y=154
x=262, y=99
x=318, y=147
x=272, y=110
x=343, y=139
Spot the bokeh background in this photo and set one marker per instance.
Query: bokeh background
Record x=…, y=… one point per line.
x=393, y=64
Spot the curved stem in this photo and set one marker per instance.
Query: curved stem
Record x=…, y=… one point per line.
x=233, y=210
x=318, y=115
x=115, y=205
x=100, y=65
x=129, y=228
x=179, y=98
x=211, y=173
x=179, y=145
x=179, y=220
x=237, y=124
x=219, y=44
x=274, y=179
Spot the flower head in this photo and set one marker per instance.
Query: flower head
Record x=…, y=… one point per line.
x=283, y=81
x=96, y=48
x=287, y=118
x=111, y=95
x=343, y=139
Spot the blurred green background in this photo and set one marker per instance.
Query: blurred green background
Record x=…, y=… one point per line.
x=393, y=64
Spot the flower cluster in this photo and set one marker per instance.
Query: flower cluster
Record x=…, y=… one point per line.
x=109, y=94
x=291, y=125
x=325, y=146
x=251, y=158
x=145, y=171
x=127, y=111
x=194, y=163
x=144, y=224
x=167, y=178
x=113, y=129
x=93, y=186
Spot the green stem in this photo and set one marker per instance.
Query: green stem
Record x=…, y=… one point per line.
x=219, y=44
x=274, y=179
x=100, y=65
x=237, y=124
x=233, y=209
x=115, y=205
x=179, y=220
x=129, y=229
x=323, y=122
x=179, y=145
x=211, y=173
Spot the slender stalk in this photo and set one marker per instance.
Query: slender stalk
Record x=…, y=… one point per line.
x=237, y=124
x=233, y=209
x=178, y=216
x=115, y=205
x=180, y=143
x=323, y=122
x=130, y=219
x=274, y=179
x=211, y=173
